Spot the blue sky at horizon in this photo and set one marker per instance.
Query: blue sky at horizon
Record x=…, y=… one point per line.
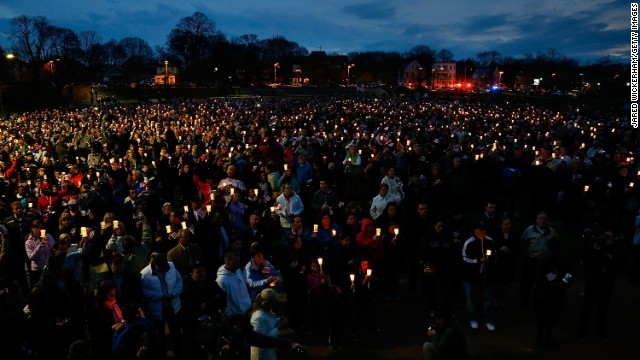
x=585, y=30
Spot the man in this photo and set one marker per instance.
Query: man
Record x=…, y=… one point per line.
x=534, y=243
x=325, y=199
x=259, y=273
x=231, y=280
x=13, y=256
x=288, y=206
x=420, y=227
x=447, y=340
x=479, y=255
x=255, y=232
x=380, y=201
x=185, y=253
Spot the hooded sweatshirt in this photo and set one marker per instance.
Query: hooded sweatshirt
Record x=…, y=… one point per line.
x=234, y=285
x=368, y=246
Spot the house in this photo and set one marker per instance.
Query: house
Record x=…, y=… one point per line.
x=165, y=75
x=413, y=75
x=443, y=74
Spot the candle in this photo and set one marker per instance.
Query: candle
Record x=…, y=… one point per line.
x=186, y=208
x=396, y=231
x=83, y=231
x=315, y=228
x=184, y=225
x=369, y=275
x=98, y=174
x=212, y=197
x=488, y=252
x=168, y=227
x=631, y=185
x=103, y=225
x=353, y=278
x=30, y=205
x=586, y=188
x=233, y=191
x=255, y=191
x=43, y=233
x=273, y=209
x=115, y=223
x=378, y=231
x=333, y=232
x=209, y=209
x=286, y=167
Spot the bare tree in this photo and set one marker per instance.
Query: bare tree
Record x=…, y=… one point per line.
x=90, y=48
x=190, y=39
x=444, y=55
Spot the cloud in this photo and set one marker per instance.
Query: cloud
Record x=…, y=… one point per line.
x=371, y=11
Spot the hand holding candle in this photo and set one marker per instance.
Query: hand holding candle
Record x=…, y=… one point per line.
x=320, y=261
x=369, y=280
x=315, y=228
x=353, y=278
x=378, y=231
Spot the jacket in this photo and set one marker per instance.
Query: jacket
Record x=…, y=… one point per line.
x=473, y=251
x=234, y=285
x=152, y=291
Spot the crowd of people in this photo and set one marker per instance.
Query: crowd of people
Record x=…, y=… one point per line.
x=124, y=219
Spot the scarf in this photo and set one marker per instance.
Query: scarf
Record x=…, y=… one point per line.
x=117, y=314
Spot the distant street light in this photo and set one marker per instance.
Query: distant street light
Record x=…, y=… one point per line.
x=275, y=72
x=500, y=78
x=166, y=72
x=349, y=72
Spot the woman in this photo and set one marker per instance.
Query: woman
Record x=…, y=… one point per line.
x=394, y=183
x=326, y=238
x=392, y=230
x=39, y=247
x=104, y=317
x=294, y=270
x=161, y=287
x=508, y=245
x=266, y=322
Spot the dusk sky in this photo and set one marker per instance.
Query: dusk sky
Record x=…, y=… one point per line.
x=585, y=29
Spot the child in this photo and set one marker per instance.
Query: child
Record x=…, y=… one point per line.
x=317, y=284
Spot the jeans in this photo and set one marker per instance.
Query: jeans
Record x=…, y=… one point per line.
x=471, y=292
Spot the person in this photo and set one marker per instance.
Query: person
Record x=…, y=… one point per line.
x=201, y=298
x=479, y=256
x=446, y=338
x=363, y=289
x=161, y=287
x=600, y=261
x=380, y=201
x=38, y=246
x=185, y=253
x=534, y=242
x=317, y=283
x=325, y=199
x=294, y=269
x=508, y=246
x=325, y=240
x=395, y=185
x=13, y=257
x=551, y=282
x=138, y=338
x=259, y=273
x=231, y=280
x=288, y=205
x=104, y=318
x=353, y=171
x=265, y=321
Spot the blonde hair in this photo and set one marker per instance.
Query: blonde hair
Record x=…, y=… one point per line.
x=266, y=299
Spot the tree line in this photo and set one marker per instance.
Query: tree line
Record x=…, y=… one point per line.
x=206, y=55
